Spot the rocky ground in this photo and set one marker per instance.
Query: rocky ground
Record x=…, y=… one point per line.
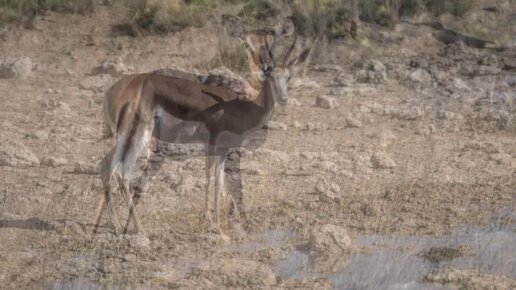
x=407, y=137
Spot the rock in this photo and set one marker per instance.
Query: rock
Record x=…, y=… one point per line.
x=114, y=68
x=304, y=83
x=15, y=67
x=500, y=158
x=511, y=81
x=445, y=115
x=420, y=76
x=339, y=92
x=293, y=102
x=439, y=254
x=373, y=72
x=470, y=279
x=297, y=125
x=98, y=83
x=329, y=191
x=233, y=274
x=139, y=242
x=386, y=138
x=404, y=113
x=382, y=160
x=85, y=168
x=53, y=161
x=342, y=80
x=488, y=147
x=353, y=123
x=327, y=68
x=16, y=155
x=375, y=65
x=488, y=59
x=328, y=166
x=273, y=125
x=39, y=135
x=329, y=240
x=460, y=85
x=316, y=126
x=216, y=239
x=326, y=102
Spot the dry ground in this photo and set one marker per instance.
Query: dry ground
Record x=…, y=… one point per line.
x=428, y=157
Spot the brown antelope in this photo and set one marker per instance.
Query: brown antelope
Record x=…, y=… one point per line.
x=182, y=110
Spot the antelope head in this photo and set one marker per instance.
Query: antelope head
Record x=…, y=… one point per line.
x=260, y=45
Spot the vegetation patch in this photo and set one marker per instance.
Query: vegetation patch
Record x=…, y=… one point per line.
x=23, y=11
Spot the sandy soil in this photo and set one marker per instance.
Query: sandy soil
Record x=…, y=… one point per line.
x=419, y=156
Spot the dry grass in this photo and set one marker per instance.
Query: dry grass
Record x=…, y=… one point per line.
x=23, y=11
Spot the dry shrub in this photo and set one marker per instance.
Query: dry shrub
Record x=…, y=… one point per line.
x=163, y=16
x=25, y=10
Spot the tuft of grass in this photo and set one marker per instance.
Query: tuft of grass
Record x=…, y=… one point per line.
x=25, y=10
x=316, y=17
x=454, y=7
x=163, y=16
x=261, y=9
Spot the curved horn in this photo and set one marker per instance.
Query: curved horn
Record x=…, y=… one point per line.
x=287, y=55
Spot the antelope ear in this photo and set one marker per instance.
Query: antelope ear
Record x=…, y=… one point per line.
x=285, y=28
x=234, y=26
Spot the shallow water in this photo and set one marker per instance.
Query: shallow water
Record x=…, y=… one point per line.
x=395, y=262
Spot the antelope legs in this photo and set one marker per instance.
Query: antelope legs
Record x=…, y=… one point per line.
x=210, y=152
x=105, y=197
x=219, y=181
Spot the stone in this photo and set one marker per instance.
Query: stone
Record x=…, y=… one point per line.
x=139, y=242
x=329, y=240
x=53, y=161
x=114, y=68
x=85, y=168
x=327, y=190
x=15, y=68
x=420, y=76
x=326, y=102
x=460, y=85
x=98, y=83
x=500, y=158
x=381, y=160
x=353, y=123
x=15, y=154
x=386, y=138
x=316, y=126
x=276, y=126
x=404, y=113
x=304, y=83
x=234, y=274
x=327, y=67
x=293, y=102
x=372, y=71
x=342, y=80
x=339, y=92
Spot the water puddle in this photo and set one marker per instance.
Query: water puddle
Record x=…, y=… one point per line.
x=402, y=262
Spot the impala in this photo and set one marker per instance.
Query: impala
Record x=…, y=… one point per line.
x=181, y=109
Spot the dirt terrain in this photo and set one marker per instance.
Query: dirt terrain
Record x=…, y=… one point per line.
x=401, y=176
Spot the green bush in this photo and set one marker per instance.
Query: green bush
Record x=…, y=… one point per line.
x=455, y=7
x=163, y=16
x=261, y=9
x=314, y=17
x=16, y=10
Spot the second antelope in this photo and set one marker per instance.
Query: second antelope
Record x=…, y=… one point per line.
x=144, y=105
